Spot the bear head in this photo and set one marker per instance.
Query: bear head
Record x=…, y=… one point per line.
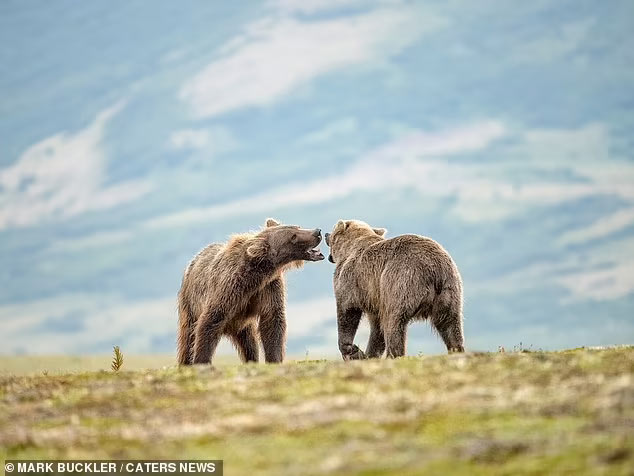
x=285, y=244
x=347, y=235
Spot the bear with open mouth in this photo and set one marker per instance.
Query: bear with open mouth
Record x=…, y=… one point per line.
x=237, y=289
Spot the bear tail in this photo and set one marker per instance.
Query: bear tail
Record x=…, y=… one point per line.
x=186, y=325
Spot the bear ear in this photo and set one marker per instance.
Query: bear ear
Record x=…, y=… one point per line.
x=257, y=248
x=341, y=224
x=380, y=231
x=271, y=222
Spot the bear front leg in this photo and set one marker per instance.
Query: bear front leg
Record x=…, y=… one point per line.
x=272, y=324
x=395, y=332
x=273, y=336
x=347, y=324
x=247, y=344
x=208, y=332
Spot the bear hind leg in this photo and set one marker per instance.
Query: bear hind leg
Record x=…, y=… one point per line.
x=446, y=318
x=186, y=330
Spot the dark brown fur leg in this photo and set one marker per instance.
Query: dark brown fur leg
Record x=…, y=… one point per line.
x=273, y=336
x=186, y=327
x=452, y=337
x=376, y=342
x=272, y=325
x=247, y=345
x=447, y=320
x=395, y=337
x=348, y=323
x=208, y=332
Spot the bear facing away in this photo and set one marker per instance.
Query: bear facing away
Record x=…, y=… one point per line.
x=237, y=289
x=393, y=281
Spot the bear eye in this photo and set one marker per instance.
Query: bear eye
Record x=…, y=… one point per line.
x=294, y=238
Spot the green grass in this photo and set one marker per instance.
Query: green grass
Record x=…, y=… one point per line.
x=566, y=412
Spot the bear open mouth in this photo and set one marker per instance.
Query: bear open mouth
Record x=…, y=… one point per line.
x=314, y=254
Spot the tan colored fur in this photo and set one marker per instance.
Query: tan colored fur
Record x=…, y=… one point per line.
x=237, y=289
x=393, y=281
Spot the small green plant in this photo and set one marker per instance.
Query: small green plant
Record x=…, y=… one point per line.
x=117, y=359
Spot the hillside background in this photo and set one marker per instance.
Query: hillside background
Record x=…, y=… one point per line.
x=133, y=133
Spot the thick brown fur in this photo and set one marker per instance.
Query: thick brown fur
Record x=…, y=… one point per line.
x=393, y=281
x=237, y=289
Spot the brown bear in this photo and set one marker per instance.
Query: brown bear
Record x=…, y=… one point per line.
x=393, y=281
x=237, y=290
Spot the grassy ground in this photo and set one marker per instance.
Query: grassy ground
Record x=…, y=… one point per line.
x=566, y=412
x=63, y=364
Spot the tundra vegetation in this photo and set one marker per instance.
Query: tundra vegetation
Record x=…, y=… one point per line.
x=524, y=412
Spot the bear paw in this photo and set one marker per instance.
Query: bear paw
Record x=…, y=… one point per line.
x=352, y=352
